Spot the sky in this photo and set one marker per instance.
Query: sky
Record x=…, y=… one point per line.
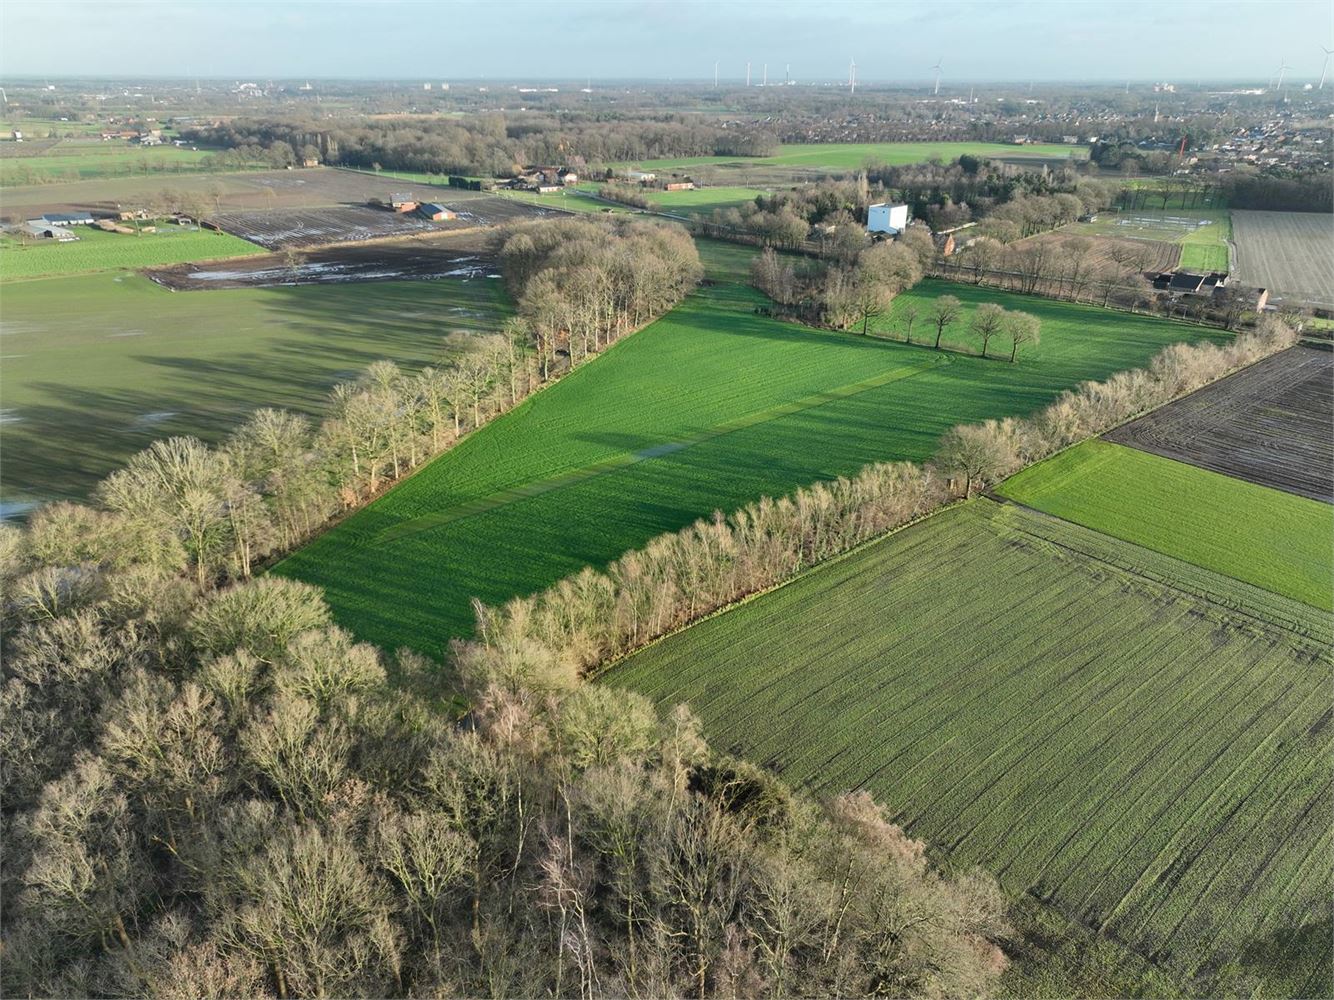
x=891, y=40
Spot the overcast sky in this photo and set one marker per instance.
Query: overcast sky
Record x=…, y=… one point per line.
x=622, y=39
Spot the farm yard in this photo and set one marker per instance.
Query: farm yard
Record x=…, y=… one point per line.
x=1233, y=426
x=97, y=367
x=1149, y=763
x=1251, y=533
x=467, y=254
x=96, y=250
x=1290, y=253
x=708, y=408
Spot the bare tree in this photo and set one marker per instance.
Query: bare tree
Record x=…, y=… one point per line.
x=987, y=321
x=908, y=312
x=944, y=311
x=1023, y=329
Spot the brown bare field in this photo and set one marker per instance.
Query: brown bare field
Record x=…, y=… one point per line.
x=227, y=192
x=1269, y=424
x=1290, y=253
x=1143, y=255
x=283, y=228
x=469, y=254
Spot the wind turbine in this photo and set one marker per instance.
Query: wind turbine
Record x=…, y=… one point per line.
x=936, y=67
x=747, y=74
x=852, y=77
x=715, y=75
x=1283, y=67
x=1325, y=68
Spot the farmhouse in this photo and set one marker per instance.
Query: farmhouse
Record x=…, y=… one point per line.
x=64, y=219
x=640, y=176
x=1189, y=283
x=402, y=202
x=887, y=218
x=48, y=232
x=680, y=186
x=436, y=213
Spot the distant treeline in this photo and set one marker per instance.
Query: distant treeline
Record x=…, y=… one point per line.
x=491, y=145
x=1313, y=192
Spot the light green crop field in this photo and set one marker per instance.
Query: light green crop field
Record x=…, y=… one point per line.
x=83, y=159
x=707, y=409
x=850, y=155
x=1133, y=741
x=94, y=368
x=96, y=250
x=1275, y=540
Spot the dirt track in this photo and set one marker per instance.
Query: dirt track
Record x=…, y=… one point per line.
x=1269, y=424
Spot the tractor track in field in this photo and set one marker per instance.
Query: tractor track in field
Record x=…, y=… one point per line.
x=437, y=519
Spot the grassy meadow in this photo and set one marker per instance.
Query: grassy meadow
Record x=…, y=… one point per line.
x=702, y=200
x=850, y=155
x=86, y=159
x=96, y=250
x=1275, y=540
x=706, y=409
x=1127, y=739
x=96, y=367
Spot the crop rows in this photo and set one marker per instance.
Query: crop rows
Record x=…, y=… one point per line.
x=1272, y=539
x=709, y=363
x=1288, y=253
x=1146, y=762
x=1232, y=426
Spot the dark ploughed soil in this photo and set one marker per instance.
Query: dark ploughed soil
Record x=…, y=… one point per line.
x=399, y=260
x=1270, y=424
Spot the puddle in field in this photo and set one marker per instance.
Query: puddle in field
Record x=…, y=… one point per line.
x=10, y=357
x=151, y=419
x=9, y=416
x=15, y=508
x=129, y=333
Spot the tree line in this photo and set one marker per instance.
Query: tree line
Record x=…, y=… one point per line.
x=214, y=791
x=488, y=144
x=597, y=616
x=581, y=285
x=216, y=513
x=220, y=794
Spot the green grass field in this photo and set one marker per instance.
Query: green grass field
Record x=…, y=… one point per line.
x=1275, y=540
x=96, y=250
x=703, y=200
x=1128, y=739
x=94, y=368
x=83, y=159
x=634, y=445
x=850, y=155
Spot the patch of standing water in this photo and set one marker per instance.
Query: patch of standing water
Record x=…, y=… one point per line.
x=15, y=508
x=151, y=419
